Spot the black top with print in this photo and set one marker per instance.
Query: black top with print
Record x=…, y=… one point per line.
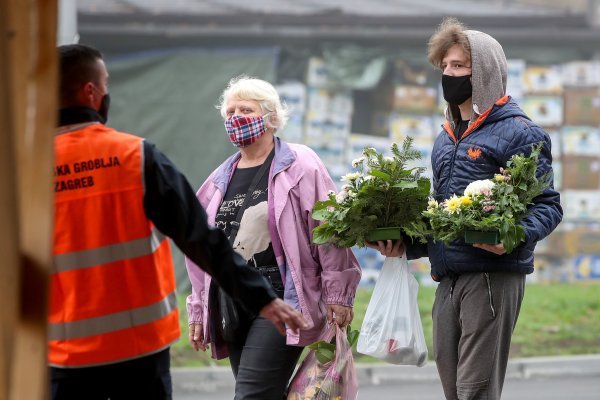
x=253, y=240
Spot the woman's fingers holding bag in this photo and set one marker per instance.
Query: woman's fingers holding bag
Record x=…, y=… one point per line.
x=341, y=315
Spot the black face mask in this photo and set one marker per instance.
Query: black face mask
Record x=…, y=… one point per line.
x=104, y=106
x=457, y=89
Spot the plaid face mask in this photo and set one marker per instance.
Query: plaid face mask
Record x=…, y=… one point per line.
x=243, y=131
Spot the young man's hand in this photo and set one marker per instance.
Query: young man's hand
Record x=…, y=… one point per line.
x=388, y=248
x=492, y=248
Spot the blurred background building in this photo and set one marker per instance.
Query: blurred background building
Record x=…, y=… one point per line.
x=355, y=74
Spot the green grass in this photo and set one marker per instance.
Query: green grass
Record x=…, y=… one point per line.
x=555, y=319
x=558, y=320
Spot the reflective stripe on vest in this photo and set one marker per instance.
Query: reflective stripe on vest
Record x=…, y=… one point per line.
x=113, y=322
x=110, y=253
x=112, y=294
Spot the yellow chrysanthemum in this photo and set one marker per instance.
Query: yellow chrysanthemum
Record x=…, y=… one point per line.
x=453, y=204
x=499, y=178
x=466, y=201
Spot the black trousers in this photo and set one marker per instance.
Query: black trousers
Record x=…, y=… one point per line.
x=262, y=363
x=145, y=378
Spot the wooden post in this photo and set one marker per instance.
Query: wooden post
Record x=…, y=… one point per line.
x=9, y=233
x=28, y=104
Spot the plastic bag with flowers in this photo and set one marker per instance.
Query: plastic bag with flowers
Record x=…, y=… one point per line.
x=383, y=193
x=492, y=206
x=327, y=372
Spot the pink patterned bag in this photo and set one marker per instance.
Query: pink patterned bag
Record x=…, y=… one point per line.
x=332, y=380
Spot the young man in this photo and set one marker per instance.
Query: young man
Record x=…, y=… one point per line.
x=480, y=286
x=113, y=310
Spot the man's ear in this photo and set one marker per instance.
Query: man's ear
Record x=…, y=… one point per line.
x=88, y=89
x=87, y=93
x=90, y=95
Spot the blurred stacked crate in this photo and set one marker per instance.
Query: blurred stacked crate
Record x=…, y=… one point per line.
x=328, y=118
x=580, y=138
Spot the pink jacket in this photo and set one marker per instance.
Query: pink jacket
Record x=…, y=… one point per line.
x=313, y=275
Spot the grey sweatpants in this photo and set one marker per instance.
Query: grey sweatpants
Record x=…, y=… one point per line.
x=474, y=316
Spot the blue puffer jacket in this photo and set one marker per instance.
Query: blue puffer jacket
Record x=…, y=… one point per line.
x=485, y=147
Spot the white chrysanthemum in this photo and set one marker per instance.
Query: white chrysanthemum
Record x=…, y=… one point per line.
x=341, y=196
x=351, y=177
x=479, y=187
x=357, y=161
x=330, y=192
x=432, y=203
x=388, y=158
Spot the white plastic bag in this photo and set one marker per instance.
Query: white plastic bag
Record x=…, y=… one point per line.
x=392, y=329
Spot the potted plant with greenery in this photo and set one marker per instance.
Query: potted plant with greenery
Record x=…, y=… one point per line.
x=379, y=201
x=489, y=210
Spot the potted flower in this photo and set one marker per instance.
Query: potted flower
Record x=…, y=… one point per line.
x=379, y=201
x=489, y=210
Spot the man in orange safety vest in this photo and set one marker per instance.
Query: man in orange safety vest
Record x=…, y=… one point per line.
x=113, y=310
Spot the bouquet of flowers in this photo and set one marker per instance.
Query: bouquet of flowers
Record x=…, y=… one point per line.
x=492, y=205
x=327, y=372
x=382, y=193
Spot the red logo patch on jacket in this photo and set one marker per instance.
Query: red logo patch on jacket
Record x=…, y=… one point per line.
x=474, y=153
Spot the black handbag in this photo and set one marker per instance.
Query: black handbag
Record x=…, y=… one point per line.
x=230, y=314
x=230, y=318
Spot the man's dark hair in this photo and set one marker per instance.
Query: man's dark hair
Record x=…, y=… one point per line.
x=78, y=65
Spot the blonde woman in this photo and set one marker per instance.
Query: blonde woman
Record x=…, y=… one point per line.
x=262, y=198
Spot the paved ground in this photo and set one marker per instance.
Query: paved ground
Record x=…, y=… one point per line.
x=571, y=388
x=544, y=378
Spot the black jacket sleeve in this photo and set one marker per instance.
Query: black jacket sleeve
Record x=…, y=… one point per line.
x=170, y=203
x=415, y=249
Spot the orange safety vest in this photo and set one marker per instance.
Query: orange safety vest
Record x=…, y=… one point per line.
x=112, y=292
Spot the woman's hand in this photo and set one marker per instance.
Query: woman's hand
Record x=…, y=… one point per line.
x=341, y=315
x=196, y=337
x=388, y=248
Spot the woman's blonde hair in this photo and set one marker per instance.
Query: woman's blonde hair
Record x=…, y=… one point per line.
x=248, y=88
x=450, y=32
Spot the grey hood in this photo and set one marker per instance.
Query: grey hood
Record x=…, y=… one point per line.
x=488, y=73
